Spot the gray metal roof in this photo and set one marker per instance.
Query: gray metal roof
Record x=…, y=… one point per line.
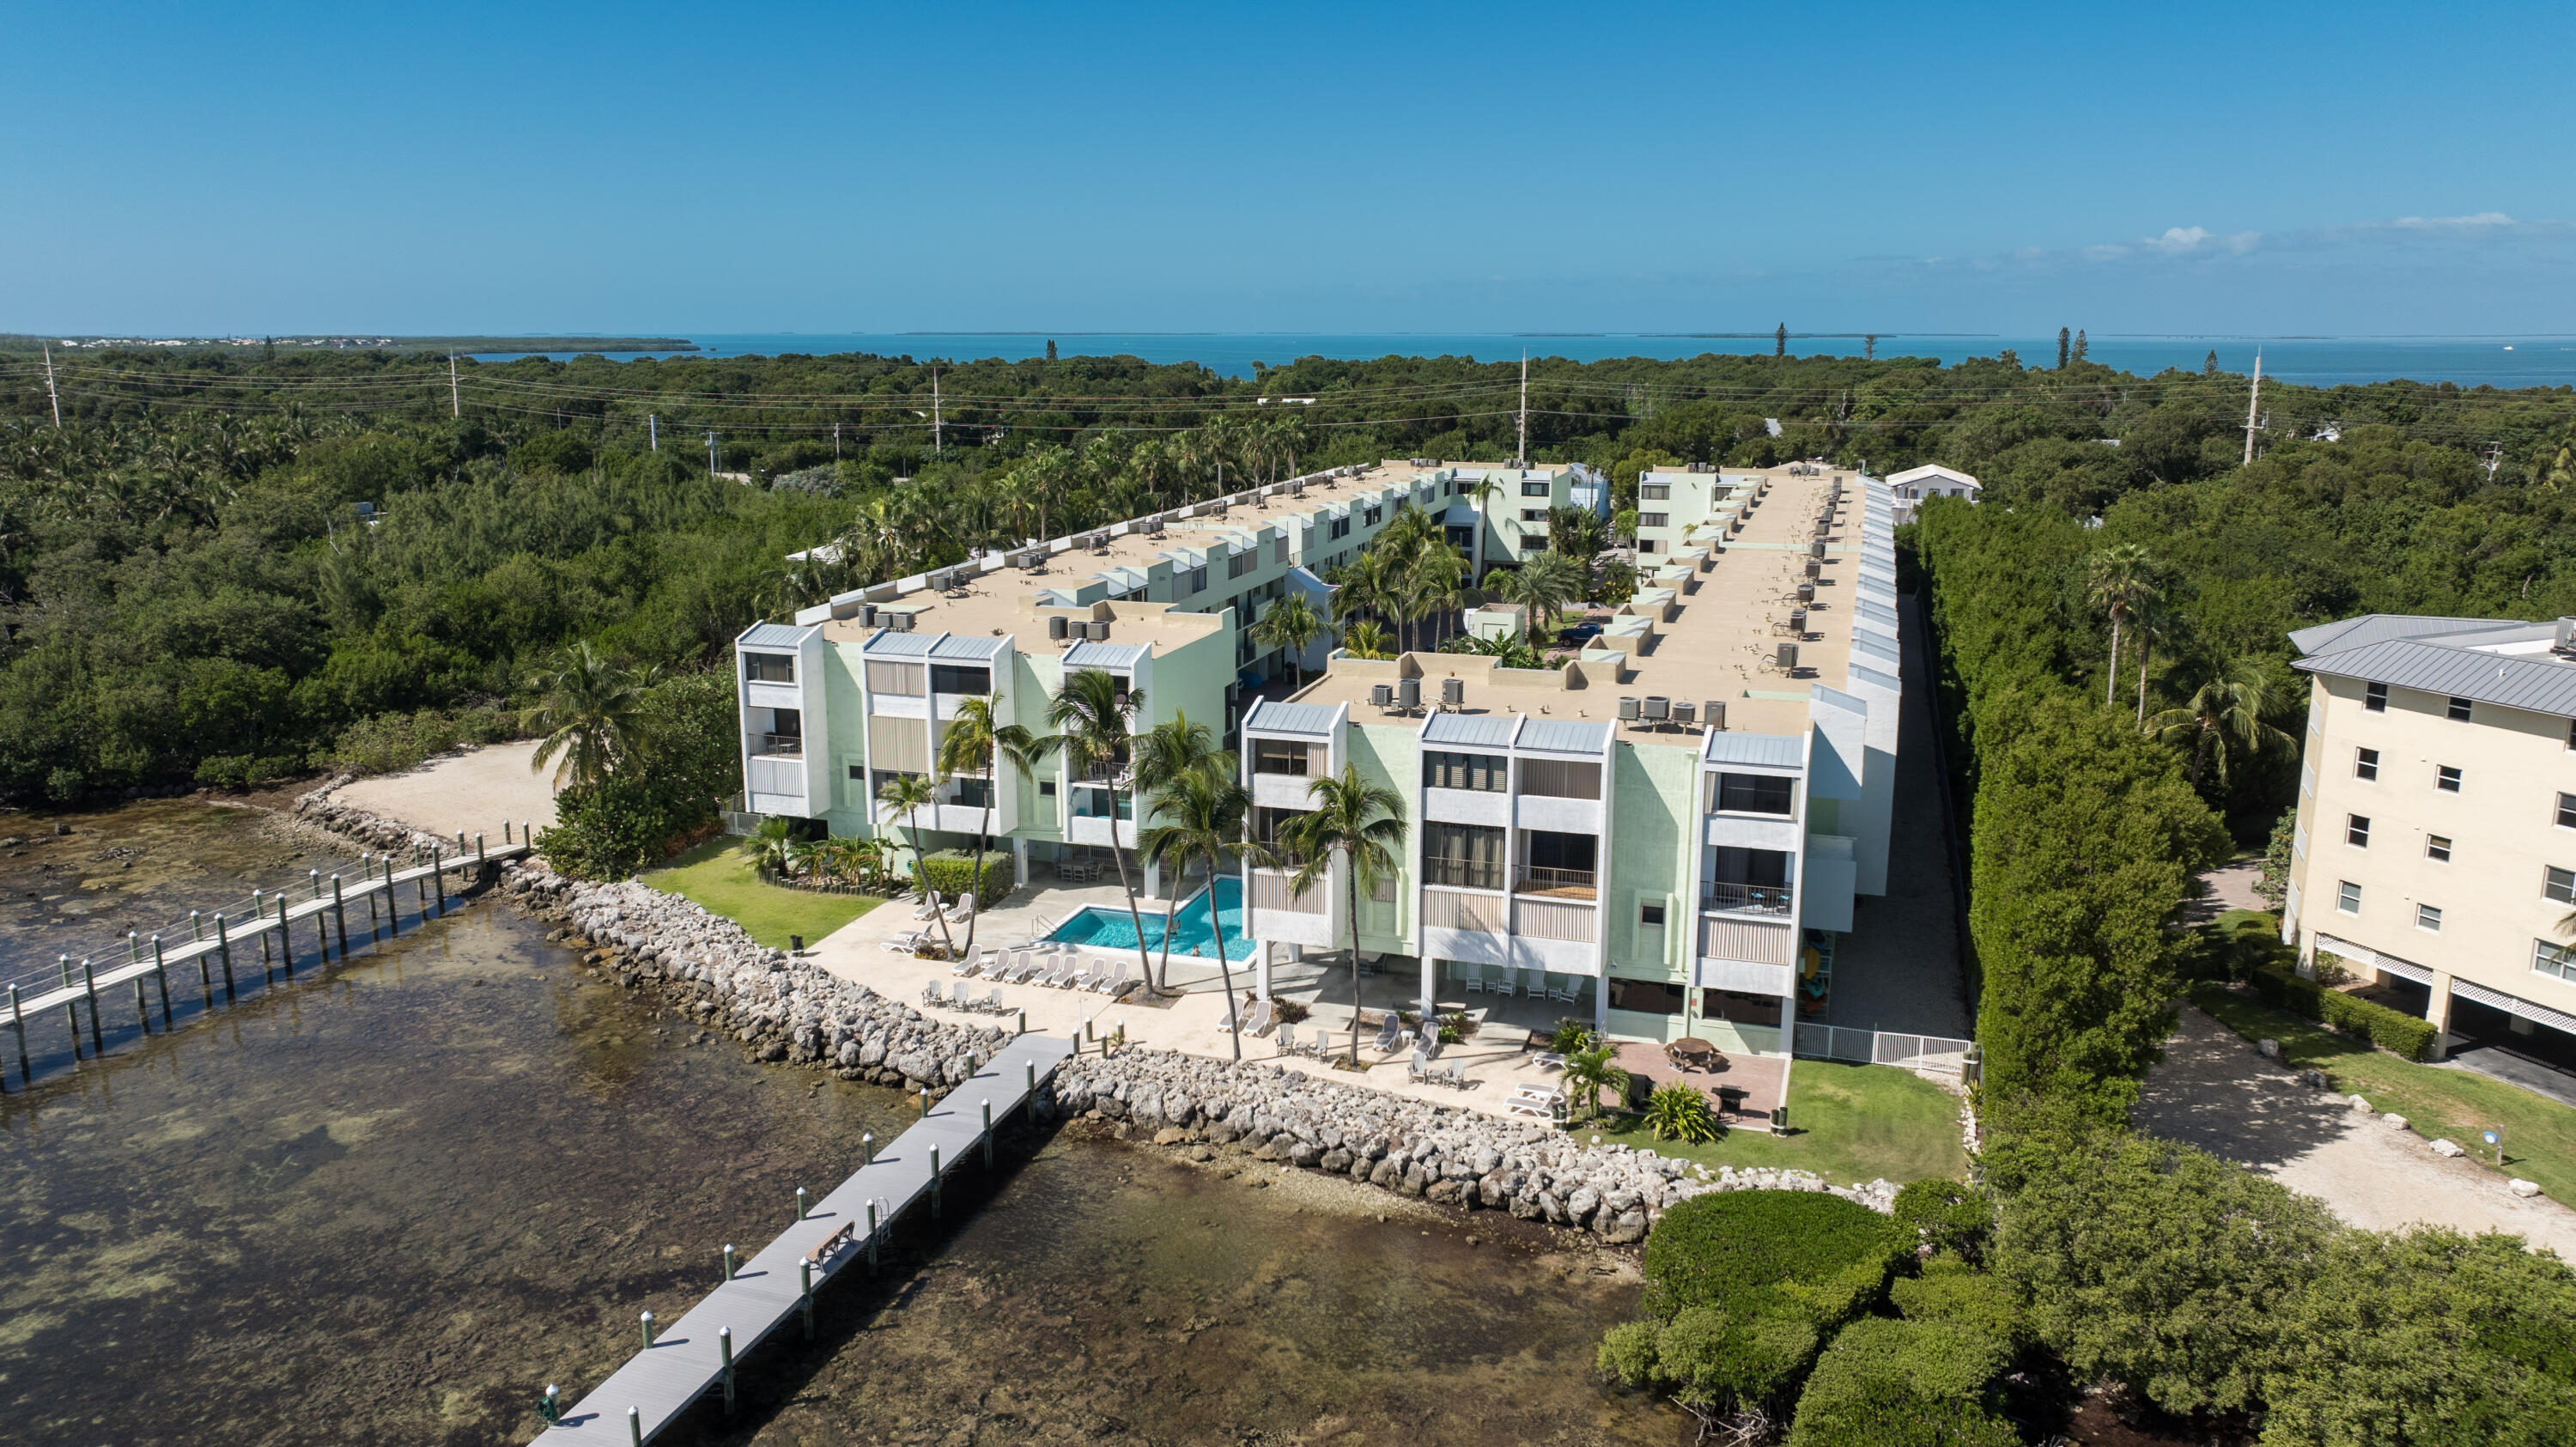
x=886, y=643
x=1873, y=646
x=1474, y=730
x=1269, y=716
x=1878, y=613
x=1561, y=736
x=1875, y=679
x=958, y=645
x=1763, y=751
x=773, y=635
x=1116, y=657
x=2542, y=684
x=2380, y=627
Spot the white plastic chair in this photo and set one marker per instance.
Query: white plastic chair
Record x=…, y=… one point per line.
x=1476, y=981
x=1287, y=1039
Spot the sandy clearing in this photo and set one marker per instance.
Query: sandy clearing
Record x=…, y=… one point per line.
x=471, y=791
x=2214, y=1092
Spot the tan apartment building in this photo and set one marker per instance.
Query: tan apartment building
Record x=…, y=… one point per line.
x=2436, y=840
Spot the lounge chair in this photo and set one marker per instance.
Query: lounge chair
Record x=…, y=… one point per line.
x=1067, y=965
x=1539, y=1109
x=1564, y=996
x=1548, y=1060
x=1117, y=981
x=963, y=968
x=964, y=909
x=1017, y=972
x=1390, y=1031
x=902, y=944
x=928, y=906
x=1264, y=1015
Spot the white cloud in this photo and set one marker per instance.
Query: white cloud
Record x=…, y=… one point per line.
x=2482, y=219
x=2182, y=240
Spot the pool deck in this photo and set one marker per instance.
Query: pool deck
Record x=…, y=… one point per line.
x=1498, y=1057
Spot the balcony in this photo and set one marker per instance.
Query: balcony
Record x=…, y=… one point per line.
x=1745, y=898
x=1558, y=883
x=1463, y=873
x=778, y=746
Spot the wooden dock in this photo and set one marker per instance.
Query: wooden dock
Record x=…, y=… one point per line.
x=220, y=953
x=694, y=1355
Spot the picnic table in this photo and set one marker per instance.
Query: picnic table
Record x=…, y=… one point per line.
x=1692, y=1053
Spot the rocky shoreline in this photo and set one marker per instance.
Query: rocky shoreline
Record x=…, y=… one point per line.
x=786, y=1011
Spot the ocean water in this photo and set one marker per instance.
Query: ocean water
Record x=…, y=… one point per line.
x=2311, y=361
x=1111, y=929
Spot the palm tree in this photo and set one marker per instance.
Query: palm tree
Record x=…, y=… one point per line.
x=907, y=795
x=591, y=713
x=774, y=849
x=976, y=745
x=1365, y=639
x=2223, y=716
x=1201, y=816
x=1094, y=712
x=1166, y=754
x=1540, y=587
x=1432, y=580
x=1364, y=824
x=2152, y=619
x=2119, y=578
x=1478, y=494
x=1588, y=1072
x=1291, y=624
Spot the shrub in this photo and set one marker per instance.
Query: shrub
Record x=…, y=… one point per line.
x=1569, y=1036
x=1711, y=1360
x=1751, y=1251
x=1953, y=1293
x=1291, y=1012
x=232, y=771
x=2392, y=1030
x=1904, y=1384
x=389, y=743
x=618, y=826
x=1678, y=1112
x=1949, y=1216
x=952, y=873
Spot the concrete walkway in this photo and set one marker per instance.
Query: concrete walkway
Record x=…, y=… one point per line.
x=2214, y=1092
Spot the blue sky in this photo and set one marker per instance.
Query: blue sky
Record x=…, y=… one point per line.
x=2353, y=169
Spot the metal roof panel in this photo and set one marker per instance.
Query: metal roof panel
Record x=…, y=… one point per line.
x=1765, y=751
x=1471, y=730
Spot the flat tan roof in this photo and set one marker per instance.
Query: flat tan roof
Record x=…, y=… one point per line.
x=1718, y=643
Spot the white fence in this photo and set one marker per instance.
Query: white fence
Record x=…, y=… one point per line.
x=1922, y=1054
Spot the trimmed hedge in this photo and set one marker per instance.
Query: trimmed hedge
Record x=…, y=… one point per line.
x=952, y=873
x=1904, y=1384
x=2395, y=1031
x=1748, y=1252
x=1951, y=1293
x=1950, y=1216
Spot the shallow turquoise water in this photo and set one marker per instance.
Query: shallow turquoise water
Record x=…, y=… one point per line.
x=1111, y=929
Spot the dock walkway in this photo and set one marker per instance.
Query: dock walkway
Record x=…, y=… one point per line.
x=692, y=1356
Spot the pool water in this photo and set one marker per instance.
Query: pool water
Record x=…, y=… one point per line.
x=1111, y=929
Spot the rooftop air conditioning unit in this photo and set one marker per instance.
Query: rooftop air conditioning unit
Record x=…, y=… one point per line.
x=1408, y=694
x=867, y=615
x=1816, y=549
x=1453, y=691
x=1627, y=710
x=2565, y=642
x=1096, y=630
x=899, y=622
x=1815, y=569
x=944, y=580
x=1657, y=708
x=1787, y=657
x=1382, y=695
x=1806, y=592
x=1297, y=488
x=1714, y=712
x=1798, y=621
x=1058, y=626
x=1220, y=505
x=1686, y=714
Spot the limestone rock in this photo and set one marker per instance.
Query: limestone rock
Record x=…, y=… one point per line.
x=2448, y=1148
x=2521, y=1187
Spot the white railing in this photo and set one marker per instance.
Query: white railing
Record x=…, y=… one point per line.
x=1270, y=891
x=1549, y=919
x=1934, y=1055
x=1445, y=909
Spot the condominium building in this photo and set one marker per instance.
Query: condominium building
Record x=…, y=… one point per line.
x=1670, y=831
x=2435, y=851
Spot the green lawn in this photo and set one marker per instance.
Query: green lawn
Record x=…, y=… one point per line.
x=717, y=876
x=1847, y=1122
x=2539, y=1133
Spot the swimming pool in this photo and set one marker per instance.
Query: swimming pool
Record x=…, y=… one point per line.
x=1107, y=928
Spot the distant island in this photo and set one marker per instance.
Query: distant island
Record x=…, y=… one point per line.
x=352, y=342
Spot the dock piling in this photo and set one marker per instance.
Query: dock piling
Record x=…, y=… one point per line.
x=18, y=1027
x=286, y=937
x=648, y=1328
x=194, y=933
x=224, y=953
x=142, y=1008
x=89, y=984
x=635, y=1427
x=867, y=1149
x=805, y=1270
x=71, y=1012
x=935, y=1182
x=800, y=1203
x=340, y=915
x=161, y=975
x=988, y=1131
x=393, y=901
x=724, y=1350
x=438, y=880
x=872, y=1238
x=728, y=1258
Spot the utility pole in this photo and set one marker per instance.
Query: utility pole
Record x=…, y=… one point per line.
x=455, y=399
x=2495, y=459
x=653, y=432
x=1521, y=455
x=934, y=411
x=2252, y=424
x=711, y=454
x=50, y=393
x=836, y=442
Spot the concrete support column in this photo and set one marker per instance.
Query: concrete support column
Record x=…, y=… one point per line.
x=1153, y=880
x=1261, y=967
x=2438, y=1010
x=1430, y=985
x=1789, y=1022
x=1020, y=859
x=1601, y=1002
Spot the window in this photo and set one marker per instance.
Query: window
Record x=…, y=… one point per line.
x=1198, y=578
x=2459, y=710
x=1755, y=794
x=2559, y=884
x=858, y=773
x=952, y=678
x=1279, y=548
x=903, y=679
x=1654, y=519
x=1533, y=487
x=2437, y=847
x=2428, y=918
x=2365, y=763
x=1046, y=788
x=2356, y=831
x=2567, y=811
x=2553, y=959
x=769, y=667
x=2571, y=733
x=974, y=793
x=2375, y=698
x=1490, y=773
x=1648, y=547
x=1651, y=916
x=1533, y=514
x=1465, y=856
x=1278, y=756
x=1341, y=528
x=1243, y=561
x=2348, y=897
x=1373, y=513
x=1654, y=491
x=2446, y=779
x=1646, y=997
x=1561, y=778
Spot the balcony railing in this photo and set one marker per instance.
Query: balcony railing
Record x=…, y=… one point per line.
x=1564, y=883
x=778, y=746
x=1463, y=873
x=1745, y=898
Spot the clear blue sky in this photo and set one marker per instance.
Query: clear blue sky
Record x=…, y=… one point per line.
x=2351, y=168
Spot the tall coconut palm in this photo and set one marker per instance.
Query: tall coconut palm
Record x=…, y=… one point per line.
x=2223, y=717
x=1433, y=581
x=1292, y=625
x=907, y=795
x=976, y=745
x=591, y=712
x=1199, y=820
x=1480, y=495
x=1541, y=587
x=1365, y=639
x=2119, y=579
x=1094, y=713
x=1165, y=754
x=1362, y=824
